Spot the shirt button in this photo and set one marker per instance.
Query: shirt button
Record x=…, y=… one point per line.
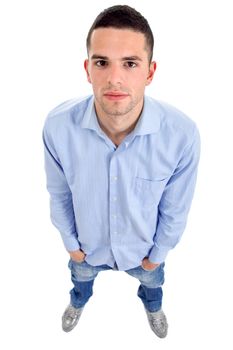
x=115, y=199
x=114, y=178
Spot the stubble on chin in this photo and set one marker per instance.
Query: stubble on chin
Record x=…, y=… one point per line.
x=116, y=109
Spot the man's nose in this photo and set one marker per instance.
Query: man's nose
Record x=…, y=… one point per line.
x=115, y=75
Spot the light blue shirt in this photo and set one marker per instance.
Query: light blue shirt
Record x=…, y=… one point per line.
x=120, y=204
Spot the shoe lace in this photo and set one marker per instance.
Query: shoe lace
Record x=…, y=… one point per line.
x=72, y=312
x=158, y=322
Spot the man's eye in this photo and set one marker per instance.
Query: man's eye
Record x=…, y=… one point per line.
x=131, y=64
x=101, y=63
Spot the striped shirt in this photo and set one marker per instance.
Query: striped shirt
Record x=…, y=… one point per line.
x=120, y=204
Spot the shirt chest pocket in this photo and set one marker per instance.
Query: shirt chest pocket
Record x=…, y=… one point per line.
x=149, y=192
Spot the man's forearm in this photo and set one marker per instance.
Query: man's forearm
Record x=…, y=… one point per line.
x=62, y=217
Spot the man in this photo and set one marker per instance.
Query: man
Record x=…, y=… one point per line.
x=121, y=168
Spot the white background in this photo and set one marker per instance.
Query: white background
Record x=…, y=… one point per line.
x=42, y=53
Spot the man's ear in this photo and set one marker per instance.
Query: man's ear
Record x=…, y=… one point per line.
x=151, y=72
x=86, y=62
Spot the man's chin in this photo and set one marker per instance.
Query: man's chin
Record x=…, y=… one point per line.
x=116, y=113
x=116, y=110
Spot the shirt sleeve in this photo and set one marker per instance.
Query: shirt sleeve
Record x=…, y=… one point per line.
x=61, y=205
x=176, y=201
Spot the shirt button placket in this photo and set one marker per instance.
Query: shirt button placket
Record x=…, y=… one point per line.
x=113, y=192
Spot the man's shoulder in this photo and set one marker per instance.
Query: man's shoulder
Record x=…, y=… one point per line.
x=70, y=111
x=172, y=118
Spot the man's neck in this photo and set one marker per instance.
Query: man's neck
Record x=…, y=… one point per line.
x=117, y=128
x=115, y=134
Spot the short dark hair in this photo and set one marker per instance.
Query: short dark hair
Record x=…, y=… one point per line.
x=123, y=17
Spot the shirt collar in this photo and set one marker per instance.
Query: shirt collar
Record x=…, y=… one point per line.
x=148, y=123
x=90, y=119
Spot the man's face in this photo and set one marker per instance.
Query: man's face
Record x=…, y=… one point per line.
x=118, y=69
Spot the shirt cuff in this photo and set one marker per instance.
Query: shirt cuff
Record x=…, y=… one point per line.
x=158, y=255
x=71, y=242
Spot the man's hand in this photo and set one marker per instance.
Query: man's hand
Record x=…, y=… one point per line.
x=77, y=255
x=148, y=265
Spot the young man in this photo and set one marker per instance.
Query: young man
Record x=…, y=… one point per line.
x=121, y=168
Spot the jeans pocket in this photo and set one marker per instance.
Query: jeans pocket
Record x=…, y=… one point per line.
x=148, y=270
x=72, y=263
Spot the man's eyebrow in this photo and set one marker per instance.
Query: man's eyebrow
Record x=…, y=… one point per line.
x=127, y=58
x=131, y=58
x=99, y=57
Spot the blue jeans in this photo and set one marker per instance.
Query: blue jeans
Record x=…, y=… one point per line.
x=149, y=291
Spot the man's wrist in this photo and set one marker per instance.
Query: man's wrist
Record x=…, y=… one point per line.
x=149, y=265
x=77, y=255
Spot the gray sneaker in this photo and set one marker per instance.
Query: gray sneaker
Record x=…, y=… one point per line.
x=70, y=318
x=158, y=323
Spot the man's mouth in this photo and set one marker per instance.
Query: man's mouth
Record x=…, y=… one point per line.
x=115, y=95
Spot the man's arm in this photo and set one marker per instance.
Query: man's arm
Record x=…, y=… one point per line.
x=61, y=205
x=176, y=201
